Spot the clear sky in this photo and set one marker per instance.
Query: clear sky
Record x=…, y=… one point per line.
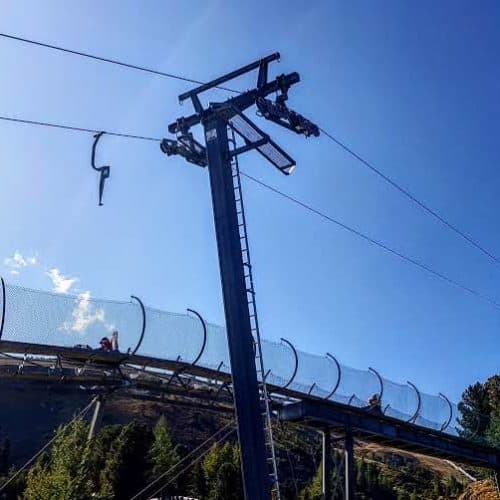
x=412, y=86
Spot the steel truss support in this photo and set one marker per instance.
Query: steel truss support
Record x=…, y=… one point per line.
x=327, y=465
x=95, y=416
x=350, y=467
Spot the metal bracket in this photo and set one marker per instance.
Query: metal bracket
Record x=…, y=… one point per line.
x=177, y=375
x=280, y=114
x=143, y=329
x=204, y=343
x=187, y=147
x=414, y=417
x=296, y=360
x=448, y=421
x=4, y=302
x=339, y=375
x=224, y=386
x=311, y=388
x=104, y=171
x=380, y=381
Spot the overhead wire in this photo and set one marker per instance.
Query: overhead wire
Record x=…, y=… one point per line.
x=292, y=199
x=230, y=425
x=46, y=445
x=338, y=142
x=76, y=129
x=410, y=196
x=378, y=243
x=108, y=60
x=190, y=464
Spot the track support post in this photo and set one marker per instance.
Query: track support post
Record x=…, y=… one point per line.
x=350, y=466
x=95, y=417
x=327, y=465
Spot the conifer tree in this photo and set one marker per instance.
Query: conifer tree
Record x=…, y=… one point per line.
x=314, y=490
x=214, y=462
x=126, y=464
x=63, y=473
x=162, y=454
x=226, y=486
x=475, y=411
x=198, y=487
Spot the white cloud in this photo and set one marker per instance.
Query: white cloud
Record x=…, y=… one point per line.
x=60, y=283
x=18, y=262
x=84, y=314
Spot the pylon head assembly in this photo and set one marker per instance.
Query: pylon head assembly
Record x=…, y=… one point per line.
x=231, y=112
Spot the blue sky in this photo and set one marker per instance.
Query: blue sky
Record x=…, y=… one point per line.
x=411, y=86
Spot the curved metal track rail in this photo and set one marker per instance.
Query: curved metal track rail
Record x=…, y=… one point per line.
x=339, y=375
x=4, y=302
x=143, y=329
x=296, y=362
x=204, y=343
x=380, y=381
x=416, y=414
x=450, y=407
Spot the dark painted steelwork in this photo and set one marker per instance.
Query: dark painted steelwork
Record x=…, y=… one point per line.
x=261, y=63
x=177, y=373
x=339, y=375
x=351, y=398
x=104, y=171
x=232, y=246
x=450, y=407
x=296, y=362
x=238, y=324
x=414, y=417
x=386, y=407
x=327, y=465
x=390, y=431
x=311, y=388
x=143, y=330
x=200, y=354
x=4, y=303
x=350, y=466
x=224, y=386
x=380, y=381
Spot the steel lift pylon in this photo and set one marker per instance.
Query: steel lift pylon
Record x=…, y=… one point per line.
x=229, y=133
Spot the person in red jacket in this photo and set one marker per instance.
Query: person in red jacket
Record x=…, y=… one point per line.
x=105, y=345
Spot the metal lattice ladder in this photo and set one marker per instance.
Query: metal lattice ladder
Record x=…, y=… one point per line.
x=252, y=308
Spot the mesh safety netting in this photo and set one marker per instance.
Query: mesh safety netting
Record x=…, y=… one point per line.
x=39, y=317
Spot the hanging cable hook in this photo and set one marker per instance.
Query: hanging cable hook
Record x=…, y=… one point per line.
x=104, y=171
